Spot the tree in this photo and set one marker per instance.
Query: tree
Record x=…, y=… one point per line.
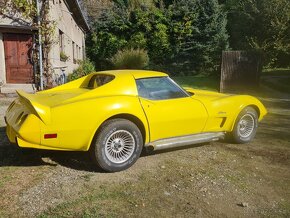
x=263, y=25
x=123, y=27
x=109, y=35
x=198, y=34
x=183, y=37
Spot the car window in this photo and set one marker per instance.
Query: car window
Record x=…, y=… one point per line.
x=99, y=80
x=159, y=88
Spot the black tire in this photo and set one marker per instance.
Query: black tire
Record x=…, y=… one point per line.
x=117, y=138
x=245, y=126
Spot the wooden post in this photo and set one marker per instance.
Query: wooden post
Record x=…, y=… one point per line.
x=240, y=70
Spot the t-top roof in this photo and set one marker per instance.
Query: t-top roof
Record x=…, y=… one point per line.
x=137, y=74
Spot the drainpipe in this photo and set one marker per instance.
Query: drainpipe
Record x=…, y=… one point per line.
x=40, y=46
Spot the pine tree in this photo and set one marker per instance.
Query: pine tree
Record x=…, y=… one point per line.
x=198, y=34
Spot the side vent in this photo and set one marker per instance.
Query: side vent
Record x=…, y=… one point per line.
x=223, y=122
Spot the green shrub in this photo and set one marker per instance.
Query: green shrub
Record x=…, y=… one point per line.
x=63, y=56
x=85, y=67
x=130, y=59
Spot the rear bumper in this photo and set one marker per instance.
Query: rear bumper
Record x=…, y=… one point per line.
x=15, y=138
x=24, y=128
x=24, y=144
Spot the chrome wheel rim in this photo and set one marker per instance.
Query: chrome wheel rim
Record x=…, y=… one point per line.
x=246, y=125
x=120, y=146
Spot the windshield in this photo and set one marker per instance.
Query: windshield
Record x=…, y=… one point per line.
x=159, y=88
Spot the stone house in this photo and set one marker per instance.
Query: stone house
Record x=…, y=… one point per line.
x=18, y=41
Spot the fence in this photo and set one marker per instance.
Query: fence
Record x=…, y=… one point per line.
x=240, y=70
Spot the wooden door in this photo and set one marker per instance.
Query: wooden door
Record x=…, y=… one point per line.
x=17, y=47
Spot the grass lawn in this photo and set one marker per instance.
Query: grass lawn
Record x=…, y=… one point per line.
x=277, y=79
x=199, y=82
x=276, y=72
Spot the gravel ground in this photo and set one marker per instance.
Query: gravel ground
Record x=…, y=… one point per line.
x=4, y=103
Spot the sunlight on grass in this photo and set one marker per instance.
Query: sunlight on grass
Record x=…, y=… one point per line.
x=277, y=79
x=276, y=72
x=198, y=82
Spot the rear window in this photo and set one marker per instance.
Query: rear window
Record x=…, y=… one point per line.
x=99, y=80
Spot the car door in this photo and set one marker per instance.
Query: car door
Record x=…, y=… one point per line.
x=170, y=111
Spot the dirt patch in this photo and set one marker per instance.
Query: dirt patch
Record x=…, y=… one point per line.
x=208, y=180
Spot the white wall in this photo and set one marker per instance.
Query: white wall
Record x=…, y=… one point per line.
x=72, y=33
x=15, y=22
x=2, y=61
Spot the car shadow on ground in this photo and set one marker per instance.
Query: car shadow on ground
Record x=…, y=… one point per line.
x=150, y=152
x=12, y=155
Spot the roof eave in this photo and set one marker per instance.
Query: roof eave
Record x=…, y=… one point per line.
x=77, y=13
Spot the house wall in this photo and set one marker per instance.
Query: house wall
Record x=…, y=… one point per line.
x=2, y=62
x=17, y=22
x=72, y=35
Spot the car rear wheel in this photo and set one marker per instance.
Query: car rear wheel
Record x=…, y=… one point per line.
x=117, y=145
x=246, y=126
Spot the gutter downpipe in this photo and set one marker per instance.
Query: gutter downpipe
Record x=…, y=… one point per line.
x=40, y=46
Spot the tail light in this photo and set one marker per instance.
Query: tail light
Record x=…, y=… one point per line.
x=50, y=136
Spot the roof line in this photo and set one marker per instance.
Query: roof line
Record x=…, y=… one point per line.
x=7, y=26
x=79, y=7
x=71, y=4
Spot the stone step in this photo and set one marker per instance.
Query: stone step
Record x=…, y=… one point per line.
x=10, y=88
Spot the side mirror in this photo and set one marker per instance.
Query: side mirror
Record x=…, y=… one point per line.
x=190, y=91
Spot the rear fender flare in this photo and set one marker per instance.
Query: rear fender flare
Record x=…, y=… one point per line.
x=141, y=124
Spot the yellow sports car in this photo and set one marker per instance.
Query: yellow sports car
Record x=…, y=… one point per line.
x=115, y=114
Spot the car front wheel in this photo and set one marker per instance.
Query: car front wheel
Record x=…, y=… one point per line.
x=246, y=126
x=117, y=145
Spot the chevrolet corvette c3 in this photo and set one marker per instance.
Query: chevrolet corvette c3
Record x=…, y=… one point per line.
x=115, y=114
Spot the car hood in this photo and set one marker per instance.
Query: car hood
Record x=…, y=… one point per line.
x=205, y=94
x=216, y=102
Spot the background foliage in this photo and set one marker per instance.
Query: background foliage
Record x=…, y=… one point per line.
x=130, y=59
x=186, y=37
x=182, y=36
x=85, y=67
x=262, y=25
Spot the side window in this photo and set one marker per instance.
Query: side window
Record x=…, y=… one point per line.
x=99, y=80
x=159, y=88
